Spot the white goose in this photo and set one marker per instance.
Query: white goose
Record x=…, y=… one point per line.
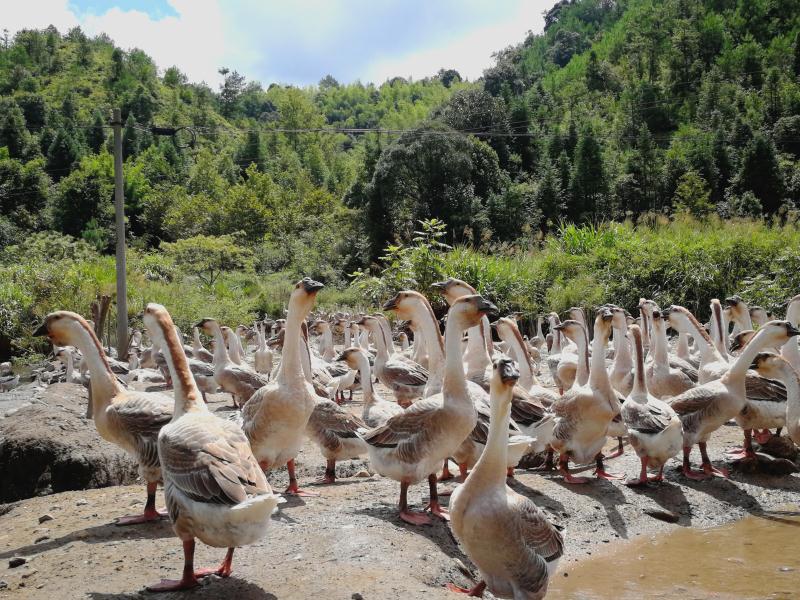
x=214, y=488
x=504, y=533
x=276, y=416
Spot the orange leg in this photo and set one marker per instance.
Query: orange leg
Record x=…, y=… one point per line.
x=293, y=489
x=150, y=511
x=190, y=576
x=476, y=592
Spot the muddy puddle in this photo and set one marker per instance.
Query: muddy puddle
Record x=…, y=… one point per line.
x=757, y=557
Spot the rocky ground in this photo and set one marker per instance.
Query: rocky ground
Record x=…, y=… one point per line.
x=346, y=543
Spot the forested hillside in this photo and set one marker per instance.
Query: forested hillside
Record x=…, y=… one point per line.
x=619, y=110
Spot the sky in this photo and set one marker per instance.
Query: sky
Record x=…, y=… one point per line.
x=298, y=41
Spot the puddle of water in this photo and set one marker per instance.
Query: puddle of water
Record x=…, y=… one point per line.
x=755, y=558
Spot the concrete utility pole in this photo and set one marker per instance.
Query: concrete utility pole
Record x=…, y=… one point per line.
x=119, y=209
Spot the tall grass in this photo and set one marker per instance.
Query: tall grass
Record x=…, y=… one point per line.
x=683, y=262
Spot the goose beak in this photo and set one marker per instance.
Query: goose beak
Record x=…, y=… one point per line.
x=340, y=357
x=732, y=301
x=391, y=304
x=311, y=286
x=484, y=306
x=792, y=330
x=41, y=330
x=736, y=344
x=666, y=311
x=439, y=285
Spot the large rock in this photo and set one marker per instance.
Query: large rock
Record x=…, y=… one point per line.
x=49, y=446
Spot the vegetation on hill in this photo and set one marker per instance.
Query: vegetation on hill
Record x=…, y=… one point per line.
x=628, y=111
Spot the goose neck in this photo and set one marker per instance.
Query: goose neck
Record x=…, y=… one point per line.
x=187, y=395
x=639, y=384
x=366, y=380
x=291, y=359
x=622, y=353
x=455, y=383
x=491, y=466
x=104, y=384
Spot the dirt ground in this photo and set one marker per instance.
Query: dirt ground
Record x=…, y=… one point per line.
x=348, y=543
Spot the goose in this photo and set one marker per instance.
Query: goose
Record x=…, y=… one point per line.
x=276, y=416
x=538, y=340
x=775, y=367
x=334, y=431
x=554, y=349
x=263, y=356
x=508, y=537
x=214, y=488
x=790, y=350
x=410, y=445
x=759, y=316
x=376, y=409
x=707, y=407
x=240, y=383
x=584, y=412
x=406, y=381
x=136, y=374
x=66, y=356
x=568, y=363
x=415, y=307
x=323, y=328
x=127, y=418
x=662, y=380
x=235, y=350
x=654, y=429
x=508, y=331
x=402, y=338
x=758, y=416
x=621, y=374
x=740, y=315
x=684, y=352
x=198, y=351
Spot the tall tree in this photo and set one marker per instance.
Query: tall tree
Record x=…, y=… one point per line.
x=760, y=173
x=96, y=135
x=13, y=133
x=589, y=184
x=130, y=137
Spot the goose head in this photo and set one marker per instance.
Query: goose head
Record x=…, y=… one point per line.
x=62, y=327
x=793, y=310
x=207, y=325
x=350, y=356
x=602, y=324
x=741, y=339
x=405, y=304
x=619, y=320
x=505, y=375
x=305, y=292
x=759, y=315
x=576, y=314
x=771, y=366
x=452, y=289
x=777, y=333
x=468, y=310
x=158, y=322
x=647, y=306
x=572, y=329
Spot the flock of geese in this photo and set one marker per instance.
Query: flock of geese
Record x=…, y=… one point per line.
x=458, y=396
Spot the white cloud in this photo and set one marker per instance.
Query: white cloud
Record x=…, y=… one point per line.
x=470, y=54
x=37, y=15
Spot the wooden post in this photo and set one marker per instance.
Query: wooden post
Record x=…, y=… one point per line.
x=119, y=209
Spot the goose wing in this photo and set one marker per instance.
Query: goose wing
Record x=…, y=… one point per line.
x=409, y=432
x=250, y=378
x=142, y=416
x=329, y=422
x=688, y=369
x=646, y=418
x=526, y=413
x=209, y=460
x=337, y=370
x=692, y=401
x=405, y=373
x=763, y=389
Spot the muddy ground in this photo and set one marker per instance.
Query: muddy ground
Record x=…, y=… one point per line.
x=348, y=542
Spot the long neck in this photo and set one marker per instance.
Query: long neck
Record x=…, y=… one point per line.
x=526, y=377
x=598, y=377
x=327, y=339
x=659, y=341
x=220, y=349
x=363, y=340
x=742, y=362
x=539, y=328
x=420, y=349
x=291, y=367
x=476, y=357
x=708, y=352
x=791, y=352
x=262, y=339
x=305, y=360
x=486, y=334
x=645, y=328
x=104, y=384
x=792, y=384
x=426, y=321
x=196, y=344
x=492, y=465
x=187, y=396
x=556, y=348
x=639, y=390
x=366, y=380
x=455, y=383
x=718, y=330
x=347, y=337
x=386, y=330
x=582, y=371
x=622, y=353
x=380, y=341
x=682, y=349
x=70, y=367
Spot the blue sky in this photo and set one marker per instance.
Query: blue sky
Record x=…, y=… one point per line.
x=299, y=41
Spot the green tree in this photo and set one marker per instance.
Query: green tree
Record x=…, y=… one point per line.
x=230, y=90
x=85, y=194
x=589, y=183
x=760, y=173
x=96, y=135
x=13, y=134
x=252, y=152
x=64, y=152
x=130, y=137
x=207, y=257
x=692, y=195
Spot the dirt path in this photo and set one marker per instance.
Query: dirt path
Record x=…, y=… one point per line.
x=347, y=543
